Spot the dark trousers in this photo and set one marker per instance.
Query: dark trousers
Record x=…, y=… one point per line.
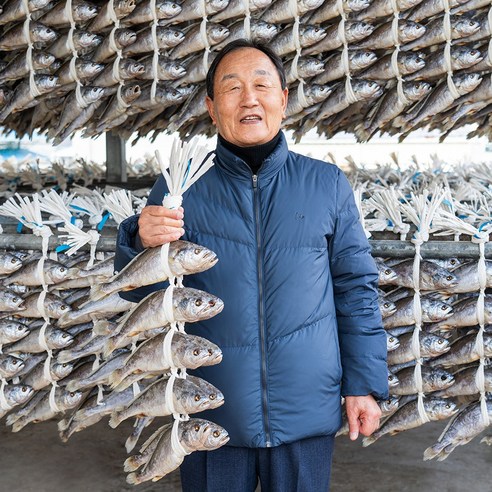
x=302, y=466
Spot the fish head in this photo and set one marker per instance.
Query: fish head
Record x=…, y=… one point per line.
x=465, y=56
x=440, y=379
x=389, y=405
x=192, y=351
x=132, y=67
x=46, y=83
x=392, y=379
x=367, y=89
x=387, y=308
x=131, y=92
x=464, y=26
x=392, y=342
x=311, y=34
x=358, y=5
x=90, y=69
x=311, y=66
x=171, y=36
x=191, y=258
x=441, y=408
x=358, y=30
x=410, y=30
x=260, y=4
x=168, y=9
x=43, y=34
x=10, y=263
x=217, y=33
x=217, y=5
x=192, y=433
x=18, y=393
x=125, y=37
x=437, y=310
x=37, y=4
x=362, y=58
x=125, y=6
x=93, y=94
x=60, y=339
x=190, y=397
x=192, y=305
x=440, y=278
x=434, y=345
x=216, y=437
x=175, y=69
x=12, y=300
x=43, y=59
x=416, y=90
x=467, y=82
x=264, y=31
x=69, y=399
x=14, y=330
x=317, y=93
x=411, y=61
x=11, y=365
x=55, y=307
x=61, y=370
x=386, y=274
x=58, y=272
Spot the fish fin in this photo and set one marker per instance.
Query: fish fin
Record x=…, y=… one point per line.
x=115, y=420
x=132, y=479
x=63, y=425
x=109, y=347
x=154, y=436
x=97, y=292
x=115, y=378
x=130, y=464
x=367, y=441
x=63, y=357
x=486, y=440
x=101, y=327
x=12, y=418
x=19, y=424
x=361, y=133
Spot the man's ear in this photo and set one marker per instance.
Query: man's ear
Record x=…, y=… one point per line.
x=285, y=96
x=210, y=108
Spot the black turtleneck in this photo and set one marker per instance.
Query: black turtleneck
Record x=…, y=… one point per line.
x=253, y=156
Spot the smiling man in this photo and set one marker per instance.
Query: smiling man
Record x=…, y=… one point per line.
x=301, y=325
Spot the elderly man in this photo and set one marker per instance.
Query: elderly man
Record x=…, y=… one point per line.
x=301, y=325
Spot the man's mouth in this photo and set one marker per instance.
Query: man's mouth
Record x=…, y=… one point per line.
x=251, y=117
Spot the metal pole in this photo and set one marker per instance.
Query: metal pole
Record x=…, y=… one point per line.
x=115, y=159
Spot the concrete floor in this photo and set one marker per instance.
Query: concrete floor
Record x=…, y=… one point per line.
x=35, y=460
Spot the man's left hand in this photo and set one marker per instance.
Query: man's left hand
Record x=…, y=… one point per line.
x=363, y=414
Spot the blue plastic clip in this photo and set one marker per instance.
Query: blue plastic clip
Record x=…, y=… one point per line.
x=103, y=221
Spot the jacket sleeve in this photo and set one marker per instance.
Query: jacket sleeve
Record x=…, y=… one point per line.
x=128, y=244
x=355, y=279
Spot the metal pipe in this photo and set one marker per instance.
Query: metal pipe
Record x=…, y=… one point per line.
x=381, y=248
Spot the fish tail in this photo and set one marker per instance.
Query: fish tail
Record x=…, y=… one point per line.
x=64, y=356
x=72, y=386
x=432, y=451
x=132, y=463
x=109, y=347
x=101, y=327
x=12, y=418
x=98, y=292
x=18, y=425
x=115, y=378
x=367, y=441
x=132, y=479
x=130, y=444
x=487, y=440
x=115, y=420
x=63, y=425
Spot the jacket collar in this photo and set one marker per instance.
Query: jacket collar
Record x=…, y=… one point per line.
x=237, y=168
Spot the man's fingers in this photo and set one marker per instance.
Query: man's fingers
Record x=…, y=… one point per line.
x=160, y=211
x=354, y=424
x=160, y=239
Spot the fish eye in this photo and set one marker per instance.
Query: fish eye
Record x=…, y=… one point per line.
x=212, y=396
x=449, y=278
x=387, y=272
x=444, y=307
x=197, y=427
x=388, y=402
x=386, y=305
x=448, y=405
x=390, y=378
x=443, y=378
x=63, y=308
x=72, y=395
x=13, y=260
x=391, y=339
x=176, y=34
x=20, y=328
x=216, y=433
x=62, y=269
x=210, y=352
x=65, y=335
x=15, y=362
x=211, y=303
x=24, y=389
x=440, y=342
x=15, y=299
x=197, y=251
x=198, y=302
x=64, y=365
x=196, y=352
x=197, y=397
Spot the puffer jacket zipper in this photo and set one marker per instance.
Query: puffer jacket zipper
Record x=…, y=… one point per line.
x=264, y=394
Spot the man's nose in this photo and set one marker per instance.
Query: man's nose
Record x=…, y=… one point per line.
x=249, y=97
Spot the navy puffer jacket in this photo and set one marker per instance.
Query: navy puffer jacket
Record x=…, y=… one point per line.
x=301, y=324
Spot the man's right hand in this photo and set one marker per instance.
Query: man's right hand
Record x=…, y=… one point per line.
x=158, y=225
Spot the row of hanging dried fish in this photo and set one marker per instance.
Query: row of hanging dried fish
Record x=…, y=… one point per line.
x=139, y=67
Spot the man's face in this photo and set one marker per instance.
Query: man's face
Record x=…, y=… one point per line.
x=249, y=102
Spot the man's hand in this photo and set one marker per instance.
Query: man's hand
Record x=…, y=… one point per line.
x=158, y=225
x=363, y=414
